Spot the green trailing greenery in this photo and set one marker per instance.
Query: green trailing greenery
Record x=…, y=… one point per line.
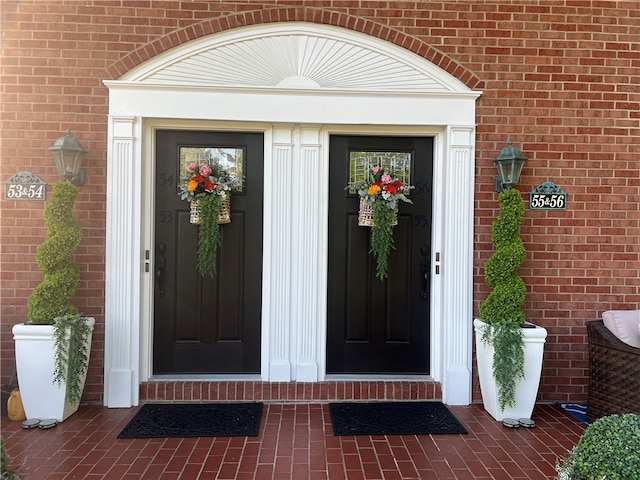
x=50, y=299
x=608, y=449
x=5, y=464
x=71, y=339
x=209, y=234
x=502, y=309
x=382, y=237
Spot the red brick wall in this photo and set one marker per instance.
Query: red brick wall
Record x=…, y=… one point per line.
x=560, y=77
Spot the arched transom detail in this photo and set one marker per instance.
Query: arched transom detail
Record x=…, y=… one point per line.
x=295, y=56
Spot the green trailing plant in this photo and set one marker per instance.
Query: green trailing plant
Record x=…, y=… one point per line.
x=382, y=237
x=5, y=464
x=502, y=310
x=50, y=299
x=209, y=234
x=608, y=449
x=71, y=340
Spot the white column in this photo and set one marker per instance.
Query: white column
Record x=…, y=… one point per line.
x=123, y=267
x=310, y=197
x=457, y=266
x=278, y=187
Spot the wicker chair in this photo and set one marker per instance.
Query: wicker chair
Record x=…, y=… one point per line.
x=614, y=374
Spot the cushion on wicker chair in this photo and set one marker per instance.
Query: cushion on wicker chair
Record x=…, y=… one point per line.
x=624, y=324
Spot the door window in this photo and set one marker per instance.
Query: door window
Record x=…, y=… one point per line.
x=396, y=164
x=229, y=158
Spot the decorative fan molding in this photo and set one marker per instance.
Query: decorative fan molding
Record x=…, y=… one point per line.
x=295, y=56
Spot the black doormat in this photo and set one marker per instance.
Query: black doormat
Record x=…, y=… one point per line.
x=393, y=418
x=161, y=420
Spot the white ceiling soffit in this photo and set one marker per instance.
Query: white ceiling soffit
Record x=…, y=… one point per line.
x=295, y=56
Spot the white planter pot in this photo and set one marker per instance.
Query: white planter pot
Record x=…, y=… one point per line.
x=41, y=398
x=526, y=389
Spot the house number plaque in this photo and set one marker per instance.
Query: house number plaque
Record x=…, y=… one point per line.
x=548, y=196
x=25, y=186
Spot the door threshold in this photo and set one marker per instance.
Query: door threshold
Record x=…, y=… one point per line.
x=205, y=377
x=375, y=378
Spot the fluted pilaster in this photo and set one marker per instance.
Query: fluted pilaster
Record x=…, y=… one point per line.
x=122, y=274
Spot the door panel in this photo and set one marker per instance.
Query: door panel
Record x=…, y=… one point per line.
x=379, y=326
x=203, y=324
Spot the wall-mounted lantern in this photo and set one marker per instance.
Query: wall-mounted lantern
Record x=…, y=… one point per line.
x=509, y=163
x=68, y=155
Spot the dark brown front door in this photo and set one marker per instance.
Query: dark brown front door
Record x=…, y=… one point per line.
x=374, y=326
x=203, y=324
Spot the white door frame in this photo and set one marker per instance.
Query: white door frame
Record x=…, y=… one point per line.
x=297, y=110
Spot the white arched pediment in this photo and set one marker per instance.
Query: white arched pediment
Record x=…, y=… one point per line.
x=299, y=83
x=295, y=55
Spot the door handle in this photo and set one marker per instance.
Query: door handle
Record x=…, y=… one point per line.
x=161, y=263
x=425, y=270
x=158, y=275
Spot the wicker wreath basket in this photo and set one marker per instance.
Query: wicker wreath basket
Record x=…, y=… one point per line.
x=194, y=212
x=365, y=214
x=224, y=215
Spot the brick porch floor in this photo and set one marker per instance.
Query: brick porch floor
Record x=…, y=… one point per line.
x=296, y=442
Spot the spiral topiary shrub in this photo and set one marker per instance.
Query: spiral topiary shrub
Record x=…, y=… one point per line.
x=50, y=299
x=502, y=309
x=608, y=449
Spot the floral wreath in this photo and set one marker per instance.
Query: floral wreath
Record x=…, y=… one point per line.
x=206, y=188
x=382, y=193
x=381, y=187
x=205, y=179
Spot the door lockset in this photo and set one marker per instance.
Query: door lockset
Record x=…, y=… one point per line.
x=161, y=263
x=425, y=271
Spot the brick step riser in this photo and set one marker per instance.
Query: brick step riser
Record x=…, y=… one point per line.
x=285, y=392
